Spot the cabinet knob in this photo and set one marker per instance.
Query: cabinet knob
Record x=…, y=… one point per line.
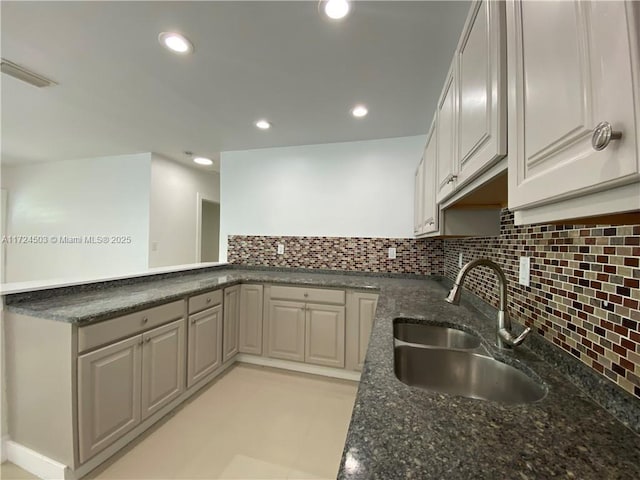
x=140, y=343
x=147, y=340
x=602, y=135
x=451, y=178
x=306, y=295
x=193, y=321
x=145, y=319
x=208, y=300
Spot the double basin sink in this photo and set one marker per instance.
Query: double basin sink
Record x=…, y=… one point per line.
x=452, y=361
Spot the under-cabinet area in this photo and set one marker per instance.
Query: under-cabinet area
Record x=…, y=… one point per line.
x=118, y=376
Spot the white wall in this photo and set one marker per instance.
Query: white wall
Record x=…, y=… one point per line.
x=173, y=210
x=351, y=189
x=99, y=196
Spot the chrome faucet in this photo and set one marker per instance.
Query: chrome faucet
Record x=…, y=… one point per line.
x=504, y=337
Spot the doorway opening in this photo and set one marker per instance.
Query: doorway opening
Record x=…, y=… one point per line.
x=209, y=230
x=3, y=232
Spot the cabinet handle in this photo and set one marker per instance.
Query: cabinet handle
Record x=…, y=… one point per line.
x=603, y=134
x=145, y=320
x=451, y=178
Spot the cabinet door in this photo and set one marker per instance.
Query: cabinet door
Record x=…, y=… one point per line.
x=162, y=366
x=482, y=108
x=108, y=395
x=205, y=344
x=446, y=131
x=324, y=337
x=231, y=320
x=361, y=313
x=571, y=65
x=250, y=338
x=430, y=209
x=418, y=200
x=285, y=330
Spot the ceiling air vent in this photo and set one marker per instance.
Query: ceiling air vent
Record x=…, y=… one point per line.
x=25, y=75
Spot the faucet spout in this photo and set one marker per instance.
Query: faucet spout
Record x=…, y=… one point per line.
x=454, y=295
x=508, y=339
x=504, y=336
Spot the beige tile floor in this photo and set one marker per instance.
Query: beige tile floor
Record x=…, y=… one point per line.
x=252, y=423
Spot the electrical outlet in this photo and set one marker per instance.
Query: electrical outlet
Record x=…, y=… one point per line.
x=460, y=260
x=525, y=271
x=392, y=252
x=281, y=249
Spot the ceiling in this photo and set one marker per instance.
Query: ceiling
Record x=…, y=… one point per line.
x=120, y=92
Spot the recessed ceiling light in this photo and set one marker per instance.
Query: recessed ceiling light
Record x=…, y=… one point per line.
x=203, y=161
x=359, y=111
x=336, y=9
x=175, y=42
x=263, y=125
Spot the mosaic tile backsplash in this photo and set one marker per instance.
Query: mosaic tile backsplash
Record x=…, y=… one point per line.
x=421, y=257
x=584, y=294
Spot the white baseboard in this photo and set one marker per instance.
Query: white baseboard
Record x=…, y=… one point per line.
x=298, y=367
x=36, y=463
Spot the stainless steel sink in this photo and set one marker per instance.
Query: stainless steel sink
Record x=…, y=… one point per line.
x=435, y=336
x=464, y=373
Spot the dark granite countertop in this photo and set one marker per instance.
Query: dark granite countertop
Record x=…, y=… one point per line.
x=398, y=431
x=83, y=307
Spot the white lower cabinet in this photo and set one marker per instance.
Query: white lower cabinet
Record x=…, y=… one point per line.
x=205, y=344
x=324, y=335
x=310, y=330
x=109, y=401
x=361, y=310
x=286, y=330
x=231, y=321
x=163, y=367
x=124, y=383
x=250, y=328
x=115, y=378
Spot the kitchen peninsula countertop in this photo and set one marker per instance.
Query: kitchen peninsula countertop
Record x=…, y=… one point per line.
x=398, y=431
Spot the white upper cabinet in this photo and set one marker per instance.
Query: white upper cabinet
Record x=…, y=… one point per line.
x=418, y=196
x=430, y=210
x=447, y=166
x=482, y=106
x=571, y=66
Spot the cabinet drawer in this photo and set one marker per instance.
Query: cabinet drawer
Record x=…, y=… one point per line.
x=205, y=300
x=302, y=294
x=110, y=330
